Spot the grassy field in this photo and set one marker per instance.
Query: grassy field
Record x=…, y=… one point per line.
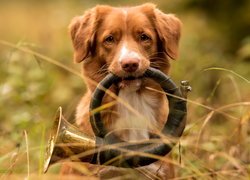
x=37, y=75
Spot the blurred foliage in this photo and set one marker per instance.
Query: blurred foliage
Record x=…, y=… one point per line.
x=215, y=34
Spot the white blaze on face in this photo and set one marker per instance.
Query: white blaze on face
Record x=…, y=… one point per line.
x=125, y=53
x=125, y=12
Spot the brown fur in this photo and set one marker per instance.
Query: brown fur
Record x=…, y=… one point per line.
x=126, y=25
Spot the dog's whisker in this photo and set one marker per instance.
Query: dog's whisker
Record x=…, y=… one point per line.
x=156, y=54
x=157, y=58
x=158, y=64
x=159, y=61
x=102, y=71
x=103, y=67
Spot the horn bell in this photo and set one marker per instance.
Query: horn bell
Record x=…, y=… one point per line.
x=67, y=142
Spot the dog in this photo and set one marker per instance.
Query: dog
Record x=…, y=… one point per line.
x=126, y=42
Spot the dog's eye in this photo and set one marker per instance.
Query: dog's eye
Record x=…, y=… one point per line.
x=144, y=37
x=109, y=39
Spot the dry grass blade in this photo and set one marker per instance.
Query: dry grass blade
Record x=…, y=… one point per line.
x=227, y=70
x=196, y=103
x=48, y=59
x=14, y=158
x=236, y=88
x=209, y=116
x=148, y=174
x=190, y=166
x=247, y=103
x=80, y=167
x=27, y=153
x=42, y=152
x=104, y=106
x=213, y=90
x=235, y=162
x=207, y=174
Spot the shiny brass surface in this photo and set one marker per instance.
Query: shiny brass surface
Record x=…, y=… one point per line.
x=67, y=142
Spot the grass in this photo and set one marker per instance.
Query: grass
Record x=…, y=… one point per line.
x=215, y=144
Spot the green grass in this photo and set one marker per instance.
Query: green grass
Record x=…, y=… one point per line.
x=38, y=75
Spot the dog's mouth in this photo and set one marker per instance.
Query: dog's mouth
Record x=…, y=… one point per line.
x=130, y=83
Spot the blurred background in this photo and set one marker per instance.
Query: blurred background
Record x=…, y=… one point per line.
x=214, y=57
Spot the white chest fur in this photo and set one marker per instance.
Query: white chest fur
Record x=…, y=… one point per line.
x=142, y=117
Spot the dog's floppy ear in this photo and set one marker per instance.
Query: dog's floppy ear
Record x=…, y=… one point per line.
x=168, y=28
x=82, y=32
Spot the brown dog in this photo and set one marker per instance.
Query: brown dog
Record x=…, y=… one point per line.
x=126, y=41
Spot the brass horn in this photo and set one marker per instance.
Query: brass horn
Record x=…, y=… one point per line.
x=67, y=142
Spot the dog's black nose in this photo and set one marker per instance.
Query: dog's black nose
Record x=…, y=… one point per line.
x=130, y=64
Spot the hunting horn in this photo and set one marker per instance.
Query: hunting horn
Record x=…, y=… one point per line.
x=67, y=142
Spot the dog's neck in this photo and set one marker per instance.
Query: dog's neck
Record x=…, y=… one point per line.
x=139, y=116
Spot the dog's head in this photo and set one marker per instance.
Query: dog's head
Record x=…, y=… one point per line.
x=125, y=41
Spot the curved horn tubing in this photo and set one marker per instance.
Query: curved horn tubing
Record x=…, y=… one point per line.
x=173, y=128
